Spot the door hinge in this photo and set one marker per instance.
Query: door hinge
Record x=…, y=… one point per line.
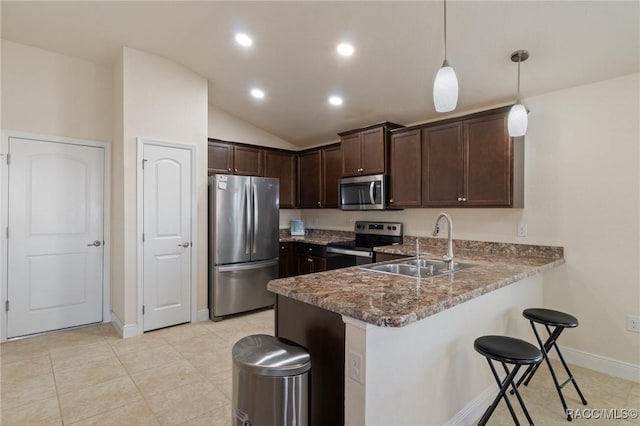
x=143, y=237
x=143, y=161
x=8, y=159
x=6, y=306
x=7, y=232
x=142, y=309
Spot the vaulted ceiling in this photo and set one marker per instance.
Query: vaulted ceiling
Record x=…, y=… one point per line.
x=398, y=50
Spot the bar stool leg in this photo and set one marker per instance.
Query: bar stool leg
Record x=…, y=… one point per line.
x=515, y=390
x=504, y=385
x=566, y=368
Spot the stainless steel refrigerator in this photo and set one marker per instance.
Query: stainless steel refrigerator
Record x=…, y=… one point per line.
x=243, y=243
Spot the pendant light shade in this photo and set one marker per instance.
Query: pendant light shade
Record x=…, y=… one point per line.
x=517, y=121
x=445, y=85
x=445, y=89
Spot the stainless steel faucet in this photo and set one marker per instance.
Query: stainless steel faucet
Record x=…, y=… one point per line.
x=448, y=258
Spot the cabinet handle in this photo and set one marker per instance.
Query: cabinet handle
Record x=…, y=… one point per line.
x=318, y=202
x=235, y=170
x=460, y=199
x=229, y=169
x=464, y=200
x=309, y=259
x=391, y=201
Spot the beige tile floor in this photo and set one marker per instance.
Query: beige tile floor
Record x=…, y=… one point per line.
x=182, y=375
x=89, y=376
x=600, y=390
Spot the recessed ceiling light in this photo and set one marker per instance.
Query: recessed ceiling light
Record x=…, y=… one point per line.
x=345, y=49
x=257, y=93
x=243, y=40
x=335, y=100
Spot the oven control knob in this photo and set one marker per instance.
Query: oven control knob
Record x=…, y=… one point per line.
x=393, y=227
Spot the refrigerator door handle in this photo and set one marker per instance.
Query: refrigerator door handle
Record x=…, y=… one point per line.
x=248, y=266
x=255, y=216
x=247, y=216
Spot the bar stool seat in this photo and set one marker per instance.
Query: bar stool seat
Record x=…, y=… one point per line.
x=550, y=317
x=554, y=322
x=506, y=350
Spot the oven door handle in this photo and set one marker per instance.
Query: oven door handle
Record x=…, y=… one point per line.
x=349, y=252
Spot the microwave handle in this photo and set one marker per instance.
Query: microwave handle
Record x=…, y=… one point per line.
x=372, y=192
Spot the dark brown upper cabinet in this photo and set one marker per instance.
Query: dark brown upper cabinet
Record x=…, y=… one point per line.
x=236, y=159
x=318, y=175
x=472, y=162
x=331, y=172
x=442, y=165
x=405, y=169
x=282, y=165
x=310, y=178
x=365, y=151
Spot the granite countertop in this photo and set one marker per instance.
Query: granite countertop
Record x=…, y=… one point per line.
x=389, y=300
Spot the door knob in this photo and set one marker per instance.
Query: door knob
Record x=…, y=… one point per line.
x=185, y=244
x=96, y=243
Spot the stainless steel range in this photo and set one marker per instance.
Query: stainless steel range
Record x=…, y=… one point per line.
x=360, y=251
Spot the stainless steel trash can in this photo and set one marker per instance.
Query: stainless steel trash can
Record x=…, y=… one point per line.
x=270, y=382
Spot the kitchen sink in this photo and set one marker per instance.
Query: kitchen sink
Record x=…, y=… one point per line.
x=423, y=268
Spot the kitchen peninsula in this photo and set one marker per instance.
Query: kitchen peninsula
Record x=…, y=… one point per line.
x=407, y=344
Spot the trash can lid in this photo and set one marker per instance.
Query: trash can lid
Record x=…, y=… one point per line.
x=269, y=356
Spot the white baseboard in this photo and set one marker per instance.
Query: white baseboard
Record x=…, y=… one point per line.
x=602, y=364
x=125, y=331
x=202, y=315
x=471, y=412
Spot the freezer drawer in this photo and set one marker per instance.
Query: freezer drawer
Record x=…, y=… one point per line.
x=241, y=287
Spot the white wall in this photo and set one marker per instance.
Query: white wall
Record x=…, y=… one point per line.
x=162, y=101
x=582, y=191
x=228, y=127
x=52, y=94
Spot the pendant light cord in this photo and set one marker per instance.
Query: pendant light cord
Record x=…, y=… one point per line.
x=445, y=63
x=519, y=62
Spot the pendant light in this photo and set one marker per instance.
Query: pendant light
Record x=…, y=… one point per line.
x=445, y=85
x=517, y=121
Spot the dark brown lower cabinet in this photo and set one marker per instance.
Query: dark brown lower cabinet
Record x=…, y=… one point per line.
x=287, y=263
x=323, y=334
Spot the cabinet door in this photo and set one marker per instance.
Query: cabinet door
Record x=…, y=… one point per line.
x=405, y=169
x=351, y=149
x=309, y=179
x=374, y=151
x=305, y=264
x=282, y=165
x=442, y=165
x=247, y=161
x=487, y=162
x=219, y=158
x=331, y=171
x=287, y=260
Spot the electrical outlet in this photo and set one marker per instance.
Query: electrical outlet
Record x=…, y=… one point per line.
x=633, y=323
x=355, y=367
x=522, y=230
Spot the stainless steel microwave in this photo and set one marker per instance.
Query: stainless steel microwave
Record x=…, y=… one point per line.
x=364, y=193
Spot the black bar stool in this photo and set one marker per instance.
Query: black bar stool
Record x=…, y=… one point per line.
x=507, y=350
x=559, y=320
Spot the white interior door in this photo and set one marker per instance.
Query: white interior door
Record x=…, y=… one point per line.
x=167, y=236
x=55, y=229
